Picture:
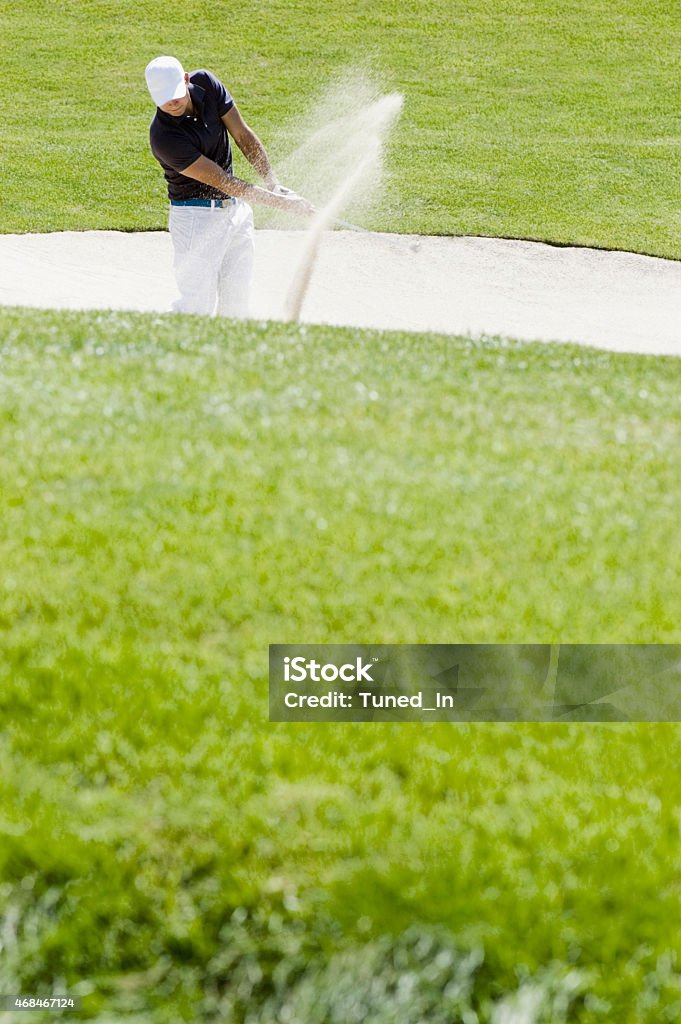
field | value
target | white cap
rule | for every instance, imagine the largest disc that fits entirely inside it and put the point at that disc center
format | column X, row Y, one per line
column 165, row 80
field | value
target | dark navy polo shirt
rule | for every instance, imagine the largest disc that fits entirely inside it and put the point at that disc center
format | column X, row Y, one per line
column 177, row 142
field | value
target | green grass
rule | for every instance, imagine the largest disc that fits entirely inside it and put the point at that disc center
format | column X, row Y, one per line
column 524, row 119
column 176, row 493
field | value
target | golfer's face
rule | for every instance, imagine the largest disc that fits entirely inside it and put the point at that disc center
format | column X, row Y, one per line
column 176, row 108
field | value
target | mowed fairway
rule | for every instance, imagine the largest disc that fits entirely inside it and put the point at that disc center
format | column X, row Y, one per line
column 177, row 493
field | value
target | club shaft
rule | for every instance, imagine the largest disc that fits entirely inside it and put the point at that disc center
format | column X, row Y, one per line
column 352, row 227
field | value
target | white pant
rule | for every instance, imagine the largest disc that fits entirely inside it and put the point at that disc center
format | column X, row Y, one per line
column 213, row 261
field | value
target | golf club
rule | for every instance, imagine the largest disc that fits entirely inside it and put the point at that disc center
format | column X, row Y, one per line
column 414, row 246
column 352, row 227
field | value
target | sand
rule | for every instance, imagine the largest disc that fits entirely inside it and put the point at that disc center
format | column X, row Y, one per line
column 479, row 286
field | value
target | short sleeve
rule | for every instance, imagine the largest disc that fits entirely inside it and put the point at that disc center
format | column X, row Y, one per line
column 222, row 95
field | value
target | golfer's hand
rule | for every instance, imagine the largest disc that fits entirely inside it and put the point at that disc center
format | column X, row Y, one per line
column 281, row 190
column 294, row 202
column 301, row 206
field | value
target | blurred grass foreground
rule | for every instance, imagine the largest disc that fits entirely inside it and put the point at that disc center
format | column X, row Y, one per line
column 176, row 494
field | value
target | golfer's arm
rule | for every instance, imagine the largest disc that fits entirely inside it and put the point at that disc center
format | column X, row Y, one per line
column 210, row 173
column 249, row 144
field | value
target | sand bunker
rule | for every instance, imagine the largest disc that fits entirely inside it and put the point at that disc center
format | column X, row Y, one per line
column 525, row 290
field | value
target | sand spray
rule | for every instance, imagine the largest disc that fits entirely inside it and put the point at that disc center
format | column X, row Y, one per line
column 339, row 163
column 376, row 121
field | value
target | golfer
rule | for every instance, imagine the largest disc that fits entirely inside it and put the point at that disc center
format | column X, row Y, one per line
column 211, row 223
